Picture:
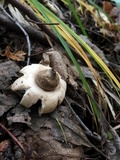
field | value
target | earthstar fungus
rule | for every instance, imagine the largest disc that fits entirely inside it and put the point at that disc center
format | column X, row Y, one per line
column 40, row 83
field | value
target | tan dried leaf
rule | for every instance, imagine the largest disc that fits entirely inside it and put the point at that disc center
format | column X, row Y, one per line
column 18, row 56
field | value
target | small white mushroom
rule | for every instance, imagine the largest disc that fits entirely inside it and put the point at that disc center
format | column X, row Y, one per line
column 40, row 83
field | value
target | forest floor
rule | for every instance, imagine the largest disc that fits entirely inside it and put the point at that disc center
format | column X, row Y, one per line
column 69, row 132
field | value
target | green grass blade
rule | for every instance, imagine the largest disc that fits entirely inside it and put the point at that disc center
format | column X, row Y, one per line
column 44, row 11
column 76, row 17
column 100, row 9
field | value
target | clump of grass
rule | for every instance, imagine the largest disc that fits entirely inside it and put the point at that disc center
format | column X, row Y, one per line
column 67, row 36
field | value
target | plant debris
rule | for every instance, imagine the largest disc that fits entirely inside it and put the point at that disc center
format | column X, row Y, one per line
column 70, row 52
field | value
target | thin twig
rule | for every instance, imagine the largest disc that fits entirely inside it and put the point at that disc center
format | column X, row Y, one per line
column 33, row 32
column 87, row 131
column 14, row 138
column 27, row 11
column 117, row 127
column 41, row 23
column 44, row 28
column 22, row 29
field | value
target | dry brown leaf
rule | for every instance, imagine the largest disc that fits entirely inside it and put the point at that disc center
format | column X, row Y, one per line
column 4, row 145
column 107, row 6
column 62, row 65
column 19, row 114
column 18, row 56
column 8, row 70
column 43, row 146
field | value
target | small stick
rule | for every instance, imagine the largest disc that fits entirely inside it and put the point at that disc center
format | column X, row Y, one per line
column 13, row 137
column 22, row 29
column 86, row 129
column 40, row 23
column 33, row 32
column 44, row 28
column 117, row 127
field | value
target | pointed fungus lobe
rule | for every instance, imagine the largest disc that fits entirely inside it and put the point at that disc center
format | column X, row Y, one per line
column 40, row 83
